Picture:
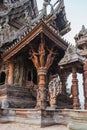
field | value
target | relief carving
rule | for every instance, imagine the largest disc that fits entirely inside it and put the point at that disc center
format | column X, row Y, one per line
column 55, row 88
column 41, row 98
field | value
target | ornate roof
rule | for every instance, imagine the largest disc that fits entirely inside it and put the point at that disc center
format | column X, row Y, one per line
column 72, row 55
column 81, row 38
column 82, row 32
column 20, row 21
column 13, row 18
column 28, row 36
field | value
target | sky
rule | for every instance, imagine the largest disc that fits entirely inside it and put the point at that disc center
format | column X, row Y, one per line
column 76, row 14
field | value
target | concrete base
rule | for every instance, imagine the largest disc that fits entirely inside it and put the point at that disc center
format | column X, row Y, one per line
column 77, row 126
column 42, row 118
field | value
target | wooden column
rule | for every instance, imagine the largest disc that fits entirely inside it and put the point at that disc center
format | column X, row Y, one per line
column 21, row 73
column 63, row 79
column 42, row 60
column 41, row 92
column 75, row 89
column 10, row 74
column 85, row 83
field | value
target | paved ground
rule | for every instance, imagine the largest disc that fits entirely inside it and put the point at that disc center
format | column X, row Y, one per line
column 18, row 126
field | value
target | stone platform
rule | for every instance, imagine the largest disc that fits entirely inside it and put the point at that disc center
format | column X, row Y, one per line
column 42, row 118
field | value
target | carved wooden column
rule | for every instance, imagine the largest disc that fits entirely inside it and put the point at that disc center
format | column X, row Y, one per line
column 41, row 92
column 63, row 80
column 85, row 83
column 10, row 73
column 21, row 72
column 42, row 60
column 75, row 89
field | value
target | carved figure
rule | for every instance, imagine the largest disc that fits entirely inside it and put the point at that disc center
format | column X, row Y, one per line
column 50, row 58
column 46, row 3
column 43, row 13
column 6, row 30
column 28, row 18
column 34, row 58
column 60, row 6
column 42, row 54
column 54, row 90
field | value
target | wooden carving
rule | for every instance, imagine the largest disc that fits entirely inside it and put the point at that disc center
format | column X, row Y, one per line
column 55, row 88
column 42, row 61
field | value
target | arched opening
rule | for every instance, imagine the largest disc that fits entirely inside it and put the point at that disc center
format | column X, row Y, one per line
column 2, row 77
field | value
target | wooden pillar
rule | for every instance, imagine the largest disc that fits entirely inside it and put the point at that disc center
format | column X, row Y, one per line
column 63, row 80
column 10, row 74
column 42, row 62
column 75, row 89
column 21, row 74
column 85, row 83
column 41, row 92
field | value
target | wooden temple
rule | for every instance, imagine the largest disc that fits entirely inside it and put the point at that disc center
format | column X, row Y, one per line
column 35, row 60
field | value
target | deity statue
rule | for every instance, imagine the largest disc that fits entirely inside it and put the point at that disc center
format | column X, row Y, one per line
column 50, row 58
column 43, row 12
column 45, row 4
column 6, row 30
column 34, row 57
column 42, row 54
column 27, row 18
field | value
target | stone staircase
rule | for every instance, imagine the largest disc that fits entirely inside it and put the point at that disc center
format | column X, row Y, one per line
column 16, row 97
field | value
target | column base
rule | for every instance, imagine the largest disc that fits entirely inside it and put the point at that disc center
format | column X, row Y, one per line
column 41, row 98
column 76, row 106
column 41, row 106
